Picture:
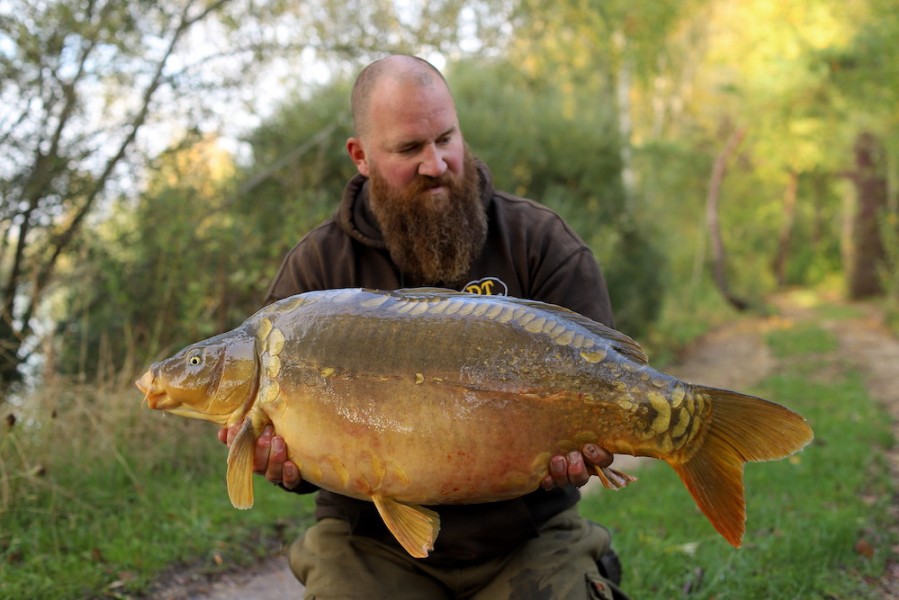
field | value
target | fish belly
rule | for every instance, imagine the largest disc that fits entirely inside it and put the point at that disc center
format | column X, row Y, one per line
column 430, row 442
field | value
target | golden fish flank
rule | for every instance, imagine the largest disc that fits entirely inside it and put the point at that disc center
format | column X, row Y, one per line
column 368, row 388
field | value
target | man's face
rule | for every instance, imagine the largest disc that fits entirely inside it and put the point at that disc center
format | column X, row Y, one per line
column 413, row 132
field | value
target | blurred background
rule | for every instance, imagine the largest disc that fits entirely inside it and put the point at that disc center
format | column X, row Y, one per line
column 157, row 160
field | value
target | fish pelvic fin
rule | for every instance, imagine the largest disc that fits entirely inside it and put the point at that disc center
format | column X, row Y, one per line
column 743, row 428
column 414, row 527
column 613, row 479
column 240, row 460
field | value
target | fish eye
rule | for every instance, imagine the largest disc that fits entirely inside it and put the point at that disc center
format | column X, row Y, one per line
column 194, row 360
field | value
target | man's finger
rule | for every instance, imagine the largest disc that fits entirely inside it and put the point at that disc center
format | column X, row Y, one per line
column 597, row 456
column 277, row 456
column 291, row 475
column 262, row 449
column 577, row 471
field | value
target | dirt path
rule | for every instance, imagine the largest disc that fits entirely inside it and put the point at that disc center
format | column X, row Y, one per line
column 734, row 357
column 869, row 347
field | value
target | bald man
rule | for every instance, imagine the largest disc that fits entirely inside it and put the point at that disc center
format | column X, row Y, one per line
column 423, row 211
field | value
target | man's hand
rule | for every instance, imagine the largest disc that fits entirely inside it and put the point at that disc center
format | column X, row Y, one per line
column 270, row 457
column 576, row 468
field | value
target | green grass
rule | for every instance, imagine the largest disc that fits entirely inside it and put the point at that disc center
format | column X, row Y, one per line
column 95, row 512
column 803, row 341
column 811, row 518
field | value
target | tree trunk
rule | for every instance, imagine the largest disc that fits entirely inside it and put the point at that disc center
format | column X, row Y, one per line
column 865, row 252
column 719, row 265
column 779, row 265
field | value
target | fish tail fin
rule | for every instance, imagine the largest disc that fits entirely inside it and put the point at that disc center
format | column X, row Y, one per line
column 240, row 461
column 743, row 428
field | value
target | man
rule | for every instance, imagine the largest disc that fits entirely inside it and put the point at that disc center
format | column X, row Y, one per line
column 423, row 212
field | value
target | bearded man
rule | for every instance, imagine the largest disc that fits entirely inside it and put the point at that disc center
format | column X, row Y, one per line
column 423, row 211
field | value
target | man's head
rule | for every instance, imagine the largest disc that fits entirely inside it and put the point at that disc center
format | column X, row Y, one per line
column 424, row 184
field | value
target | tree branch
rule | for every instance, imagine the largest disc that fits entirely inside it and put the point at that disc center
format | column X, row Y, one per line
column 65, row 237
column 719, row 265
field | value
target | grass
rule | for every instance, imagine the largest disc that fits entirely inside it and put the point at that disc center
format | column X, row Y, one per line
column 100, row 495
column 817, row 522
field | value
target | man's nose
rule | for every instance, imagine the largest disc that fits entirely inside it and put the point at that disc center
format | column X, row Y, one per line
column 432, row 162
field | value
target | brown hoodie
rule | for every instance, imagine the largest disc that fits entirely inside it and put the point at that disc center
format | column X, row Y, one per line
column 530, row 253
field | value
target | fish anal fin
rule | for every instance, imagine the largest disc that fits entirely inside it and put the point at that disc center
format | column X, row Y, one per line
column 742, row 428
column 415, row 527
column 614, row 479
column 240, row 461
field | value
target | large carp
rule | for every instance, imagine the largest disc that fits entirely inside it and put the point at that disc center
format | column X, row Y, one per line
column 424, row 397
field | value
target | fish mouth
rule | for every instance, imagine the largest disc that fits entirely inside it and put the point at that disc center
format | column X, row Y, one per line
column 153, row 393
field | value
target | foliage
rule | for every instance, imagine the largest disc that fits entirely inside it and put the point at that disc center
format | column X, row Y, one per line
column 195, row 254
column 564, row 152
column 187, row 261
column 611, row 113
column 809, row 525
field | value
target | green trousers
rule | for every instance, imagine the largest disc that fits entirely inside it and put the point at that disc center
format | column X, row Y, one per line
column 559, row 564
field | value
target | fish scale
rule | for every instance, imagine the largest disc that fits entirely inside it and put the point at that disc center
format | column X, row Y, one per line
column 424, row 397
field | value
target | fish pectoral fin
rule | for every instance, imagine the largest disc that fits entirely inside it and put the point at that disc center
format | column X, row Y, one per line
column 415, row 527
column 240, row 466
column 614, row 479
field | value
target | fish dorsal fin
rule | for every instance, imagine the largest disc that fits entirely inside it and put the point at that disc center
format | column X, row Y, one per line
column 415, row 527
column 428, row 291
column 619, row 341
column 240, row 460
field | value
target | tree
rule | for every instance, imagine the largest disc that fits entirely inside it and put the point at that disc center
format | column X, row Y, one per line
column 865, row 91
column 866, row 253
column 81, row 80
column 719, row 256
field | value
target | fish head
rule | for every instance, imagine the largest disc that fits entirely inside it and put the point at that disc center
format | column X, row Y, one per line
column 210, row 380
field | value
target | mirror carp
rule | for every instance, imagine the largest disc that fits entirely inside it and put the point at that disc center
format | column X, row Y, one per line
column 424, row 397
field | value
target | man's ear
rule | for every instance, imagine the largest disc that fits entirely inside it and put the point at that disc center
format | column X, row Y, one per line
column 357, row 155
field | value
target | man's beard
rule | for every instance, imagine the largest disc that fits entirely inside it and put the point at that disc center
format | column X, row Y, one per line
column 433, row 239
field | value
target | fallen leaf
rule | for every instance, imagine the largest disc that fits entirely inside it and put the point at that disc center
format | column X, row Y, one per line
column 864, row 548
column 689, row 548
